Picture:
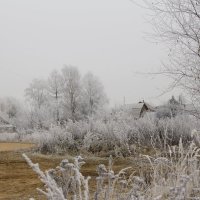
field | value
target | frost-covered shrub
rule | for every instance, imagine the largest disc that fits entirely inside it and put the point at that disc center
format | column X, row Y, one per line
column 77, row 129
column 10, row 137
column 150, row 131
column 119, row 136
column 56, row 140
column 171, row 130
column 100, row 137
column 143, row 131
column 176, row 176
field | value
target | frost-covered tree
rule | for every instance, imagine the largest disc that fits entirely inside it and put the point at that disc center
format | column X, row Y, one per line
column 37, row 96
column 71, row 90
column 36, row 93
column 177, row 23
column 63, row 96
column 15, row 112
column 93, row 94
column 12, row 107
column 55, row 90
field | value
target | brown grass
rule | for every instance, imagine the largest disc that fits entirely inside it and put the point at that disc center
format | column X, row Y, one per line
column 18, row 181
column 13, row 146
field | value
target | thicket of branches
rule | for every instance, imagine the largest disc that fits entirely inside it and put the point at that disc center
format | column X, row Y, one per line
column 177, row 23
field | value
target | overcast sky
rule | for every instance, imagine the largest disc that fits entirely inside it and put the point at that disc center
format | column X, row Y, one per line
column 106, row 37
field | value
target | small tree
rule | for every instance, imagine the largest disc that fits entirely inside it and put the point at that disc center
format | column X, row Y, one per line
column 55, row 90
column 12, row 107
column 93, row 94
column 37, row 96
column 36, row 93
column 71, row 89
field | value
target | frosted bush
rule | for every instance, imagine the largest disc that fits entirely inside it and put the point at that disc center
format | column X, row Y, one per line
column 77, row 129
column 120, row 136
column 9, row 137
column 171, row 130
column 150, row 131
column 100, row 137
column 176, row 177
column 55, row 140
column 144, row 131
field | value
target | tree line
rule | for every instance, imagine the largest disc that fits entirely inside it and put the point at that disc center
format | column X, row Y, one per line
column 65, row 95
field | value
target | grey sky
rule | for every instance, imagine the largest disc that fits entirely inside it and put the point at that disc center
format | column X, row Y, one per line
column 105, row 37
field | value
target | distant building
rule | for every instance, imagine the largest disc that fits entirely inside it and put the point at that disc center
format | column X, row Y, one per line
column 176, row 107
column 5, row 126
column 181, row 107
column 190, row 109
column 138, row 110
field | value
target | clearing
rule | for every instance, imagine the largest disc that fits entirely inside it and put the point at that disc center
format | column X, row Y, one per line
column 18, row 181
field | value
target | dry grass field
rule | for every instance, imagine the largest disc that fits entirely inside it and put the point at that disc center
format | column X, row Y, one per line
column 18, row 181
column 13, row 146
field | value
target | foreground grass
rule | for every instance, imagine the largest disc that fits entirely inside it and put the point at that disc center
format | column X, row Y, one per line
column 18, row 181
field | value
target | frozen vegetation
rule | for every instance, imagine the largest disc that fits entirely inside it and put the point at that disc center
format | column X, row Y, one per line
column 67, row 114
column 174, row 176
column 117, row 137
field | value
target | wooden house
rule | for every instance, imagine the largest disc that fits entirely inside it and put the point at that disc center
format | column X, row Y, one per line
column 138, row 110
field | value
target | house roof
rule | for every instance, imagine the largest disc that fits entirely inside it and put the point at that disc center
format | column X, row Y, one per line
column 150, row 107
column 134, row 106
column 135, row 109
